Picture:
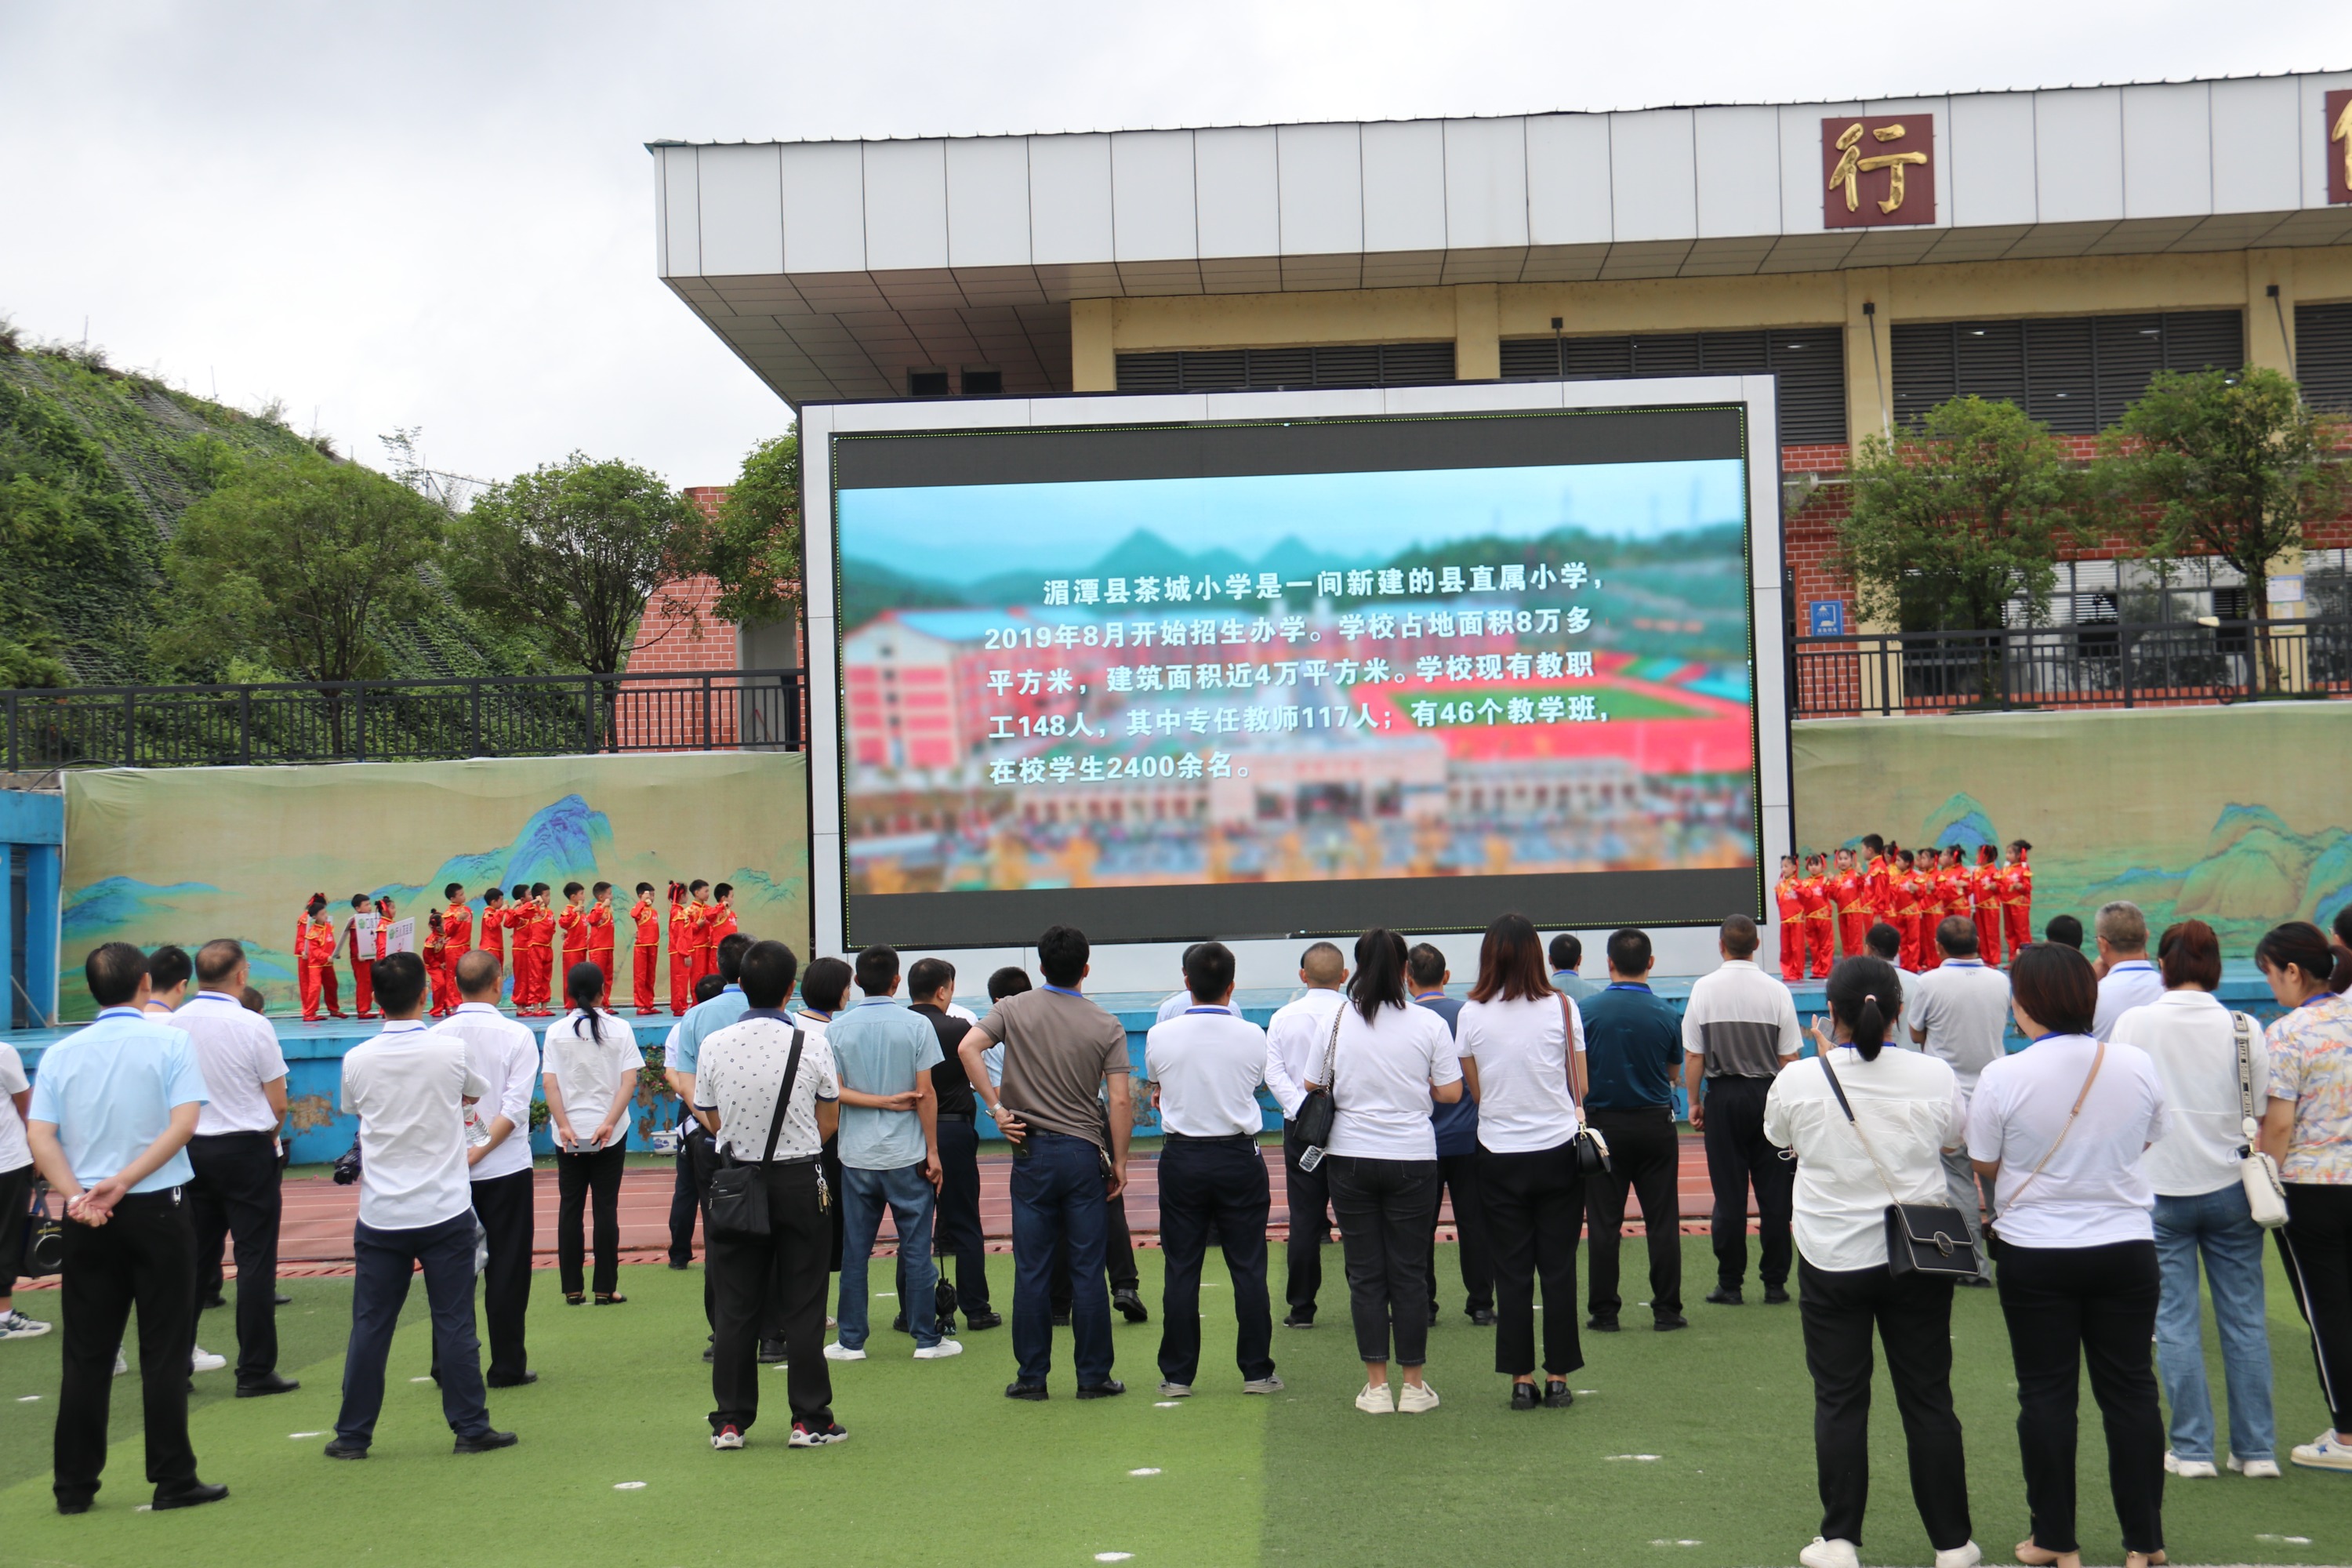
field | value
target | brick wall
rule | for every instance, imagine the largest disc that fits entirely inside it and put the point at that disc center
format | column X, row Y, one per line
column 668, row 641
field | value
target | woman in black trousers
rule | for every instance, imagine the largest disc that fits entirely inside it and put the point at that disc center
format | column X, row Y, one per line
column 590, row 1076
column 2060, row 1127
column 1385, row 1061
column 1520, row 1041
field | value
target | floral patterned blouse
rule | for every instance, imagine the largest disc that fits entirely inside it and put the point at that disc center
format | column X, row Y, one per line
column 2311, row 1064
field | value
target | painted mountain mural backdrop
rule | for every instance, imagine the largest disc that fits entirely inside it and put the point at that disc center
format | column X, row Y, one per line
column 2234, row 816
column 185, row 855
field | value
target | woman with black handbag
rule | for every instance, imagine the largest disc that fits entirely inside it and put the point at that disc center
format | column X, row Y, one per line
column 1385, row 1061
column 1521, row 1042
column 2061, row 1128
column 1868, row 1127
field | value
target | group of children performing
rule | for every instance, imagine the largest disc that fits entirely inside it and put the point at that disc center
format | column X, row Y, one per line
column 1828, row 906
column 699, row 915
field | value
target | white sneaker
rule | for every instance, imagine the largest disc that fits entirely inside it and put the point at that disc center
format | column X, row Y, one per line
column 1964, row 1555
column 1376, row 1400
column 727, row 1437
column 939, row 1351
column 2188, row 1469
column 205, row 1361
column 1175, row 1390
column 121, row 1364
column 2328, row 1451
column 1415, row 1397
column 14, row 1325
column 1269, row 1383
column 1830, row 1554
column 839, row 1352
column 2255, row 1469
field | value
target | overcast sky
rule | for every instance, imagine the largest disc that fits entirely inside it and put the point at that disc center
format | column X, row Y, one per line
column 442, row 215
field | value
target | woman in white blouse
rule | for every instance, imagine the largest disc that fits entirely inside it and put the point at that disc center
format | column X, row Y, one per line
column 1390, row 1062
column 2200, row 1203
column 1518, row 1039
column 2060, row 1127
column 1907, row 1109
column 590, row 1074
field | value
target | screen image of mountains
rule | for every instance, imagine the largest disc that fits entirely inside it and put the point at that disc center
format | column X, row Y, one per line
column 1382, row 677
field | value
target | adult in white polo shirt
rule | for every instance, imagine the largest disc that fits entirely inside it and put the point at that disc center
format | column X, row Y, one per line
column 2126, row 978
column 410, row 1087
column 236, row 1194
column 1739, row 1029
column 1295, row 1036
column 1179, row 1001
column 505, row 1054
column 1959, row 1015
column 1206, row 1065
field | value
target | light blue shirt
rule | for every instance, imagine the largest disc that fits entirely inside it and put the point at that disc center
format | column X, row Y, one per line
column 2134, row 982
column 111, row 1089
column 703, row 1020
column 1574, row 985
column 878, row 1048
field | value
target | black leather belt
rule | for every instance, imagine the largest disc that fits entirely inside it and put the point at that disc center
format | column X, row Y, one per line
column 1242, row 1137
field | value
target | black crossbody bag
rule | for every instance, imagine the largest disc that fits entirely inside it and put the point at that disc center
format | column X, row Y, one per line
column 738, row 1190
column 1921, row 1239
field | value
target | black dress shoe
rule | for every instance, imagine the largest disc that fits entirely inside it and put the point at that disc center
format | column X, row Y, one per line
column 1109, row 1388
column 1522, row 1397
column 519, row 1380
column 1668, row 1322
column 209, row 1303
column 1557, row 1395
column 983, row 1319
column 899, row 1325
column 1601, row 1325
column 680, row 1267
column 1776, row 1294
column 1294, row 1320
column 710, row 1353
column 277, row 1300
column 1130, row 1306
column 342, row 1449
column 1481, row 1316
column 77, row 1505
column 268, row 1384
column 1033, row 1392
column 1725, row 1296
column 483, row 1442
column 1061, row 1319
column 771, row 1352
column 195, row 1494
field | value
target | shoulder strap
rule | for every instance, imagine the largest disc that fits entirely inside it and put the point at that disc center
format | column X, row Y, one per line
column 2096, row 1062
column 1855, row 1122
column 784, row 1098
column 2242, row 1027
column 1567, row 1046
column 1331, row 1046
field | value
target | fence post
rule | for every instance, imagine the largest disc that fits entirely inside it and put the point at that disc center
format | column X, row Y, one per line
column 359, row 723
column 2126, row 641
column 706, row 712
column 130, row 728
column 245, row 725
column 588, row 714
column 473, row 717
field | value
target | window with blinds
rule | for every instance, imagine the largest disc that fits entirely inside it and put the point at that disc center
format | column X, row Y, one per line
column 2323, row 355
column 1808, row 360
column 1334, row 365
column 2076, row 375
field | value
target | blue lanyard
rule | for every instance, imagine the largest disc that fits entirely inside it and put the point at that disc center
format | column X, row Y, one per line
column 1630, row 985
column 2053, row 1034
column 1221, row 1012
column 1063, row 991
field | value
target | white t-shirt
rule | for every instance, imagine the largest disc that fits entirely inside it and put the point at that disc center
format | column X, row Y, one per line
column 2191, row 1039
column 1207, row 1065
column 741, row 1071
column 408, row 1087
column 15, row 1152
column 1911, row 1107
column 238, row 1053
column 1381, row 1081
column 589, row 1074
column 505, row 1053
column 2134, row 982
column 1742, row 1020
column 1525, row 1103
column 1297, row 1034
column 1963, row 1006
column 2093, row 1192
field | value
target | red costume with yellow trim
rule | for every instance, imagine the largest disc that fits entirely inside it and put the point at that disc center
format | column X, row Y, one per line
column 494, row 921
column 1791, row 907
column 1984, row 890
column 644, row 956
column 1911, row 888
column 534, row 956
column 362, row 968
column 1851, row 892
column 458, row 932
column 600, row 943
column 435, row 954
column 1814, row 892
column 572, row 921
column 682, row 920
column 314, row 962
column 719, row 924
column 2017, row 903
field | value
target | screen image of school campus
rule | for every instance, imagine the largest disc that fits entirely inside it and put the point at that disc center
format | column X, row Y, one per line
column 1282, row 677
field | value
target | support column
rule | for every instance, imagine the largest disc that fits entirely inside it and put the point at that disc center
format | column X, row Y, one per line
column 1478, row 333
column 1869, row 372
column 43, row 866
column 1094, row 356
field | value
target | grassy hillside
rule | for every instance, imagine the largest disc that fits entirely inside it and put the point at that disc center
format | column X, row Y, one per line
column 96, row 467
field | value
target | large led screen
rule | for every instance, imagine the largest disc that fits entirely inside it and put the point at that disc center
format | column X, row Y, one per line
column 1270, row 678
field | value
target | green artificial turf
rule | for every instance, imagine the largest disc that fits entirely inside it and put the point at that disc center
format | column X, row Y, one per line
column 942, row 1469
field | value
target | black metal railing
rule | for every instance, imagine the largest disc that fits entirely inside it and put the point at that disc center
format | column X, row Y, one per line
column 403, row 720
column 2082, row 666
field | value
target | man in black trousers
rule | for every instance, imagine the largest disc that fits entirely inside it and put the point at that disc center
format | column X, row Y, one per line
column 1632, row 1044
column 1739, row 1029
column 684, row 1195
column 505, row 1053
column 956, row 1232
column 236, row 1194
column 111, row 1114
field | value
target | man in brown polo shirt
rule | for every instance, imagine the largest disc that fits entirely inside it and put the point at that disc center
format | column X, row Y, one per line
column 1059, row 1050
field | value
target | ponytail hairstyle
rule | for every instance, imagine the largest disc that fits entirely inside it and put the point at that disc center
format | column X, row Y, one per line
column 2298, row 943
column 583, row 987
column 318, row 902
column 1865, row 995
column 1379, row 973
column 677, row 889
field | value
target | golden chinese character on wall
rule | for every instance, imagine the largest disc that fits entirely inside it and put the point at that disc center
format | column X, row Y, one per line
column 2337, row 126
column 1878, row 170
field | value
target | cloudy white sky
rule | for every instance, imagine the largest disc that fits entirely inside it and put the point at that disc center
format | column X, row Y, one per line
column 441, row 215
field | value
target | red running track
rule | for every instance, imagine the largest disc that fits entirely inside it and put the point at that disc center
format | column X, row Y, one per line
column 316, row 1235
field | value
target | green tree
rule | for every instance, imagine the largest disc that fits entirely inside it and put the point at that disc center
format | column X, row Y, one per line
column 752, row 548
column 2226, row 463
column 297, row 568
column 1952, row 521
column 570, row 552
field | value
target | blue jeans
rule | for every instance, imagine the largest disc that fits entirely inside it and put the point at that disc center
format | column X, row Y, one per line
column 381, row 1262
column 1057, row 1196
column 2218, row 1226
column 910, row 1197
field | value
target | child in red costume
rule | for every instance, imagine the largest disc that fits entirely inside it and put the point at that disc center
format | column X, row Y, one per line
column 1791, row 908
column 2017, row 896
column 1814, row 892
column 644, row 956
column 599, row 935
